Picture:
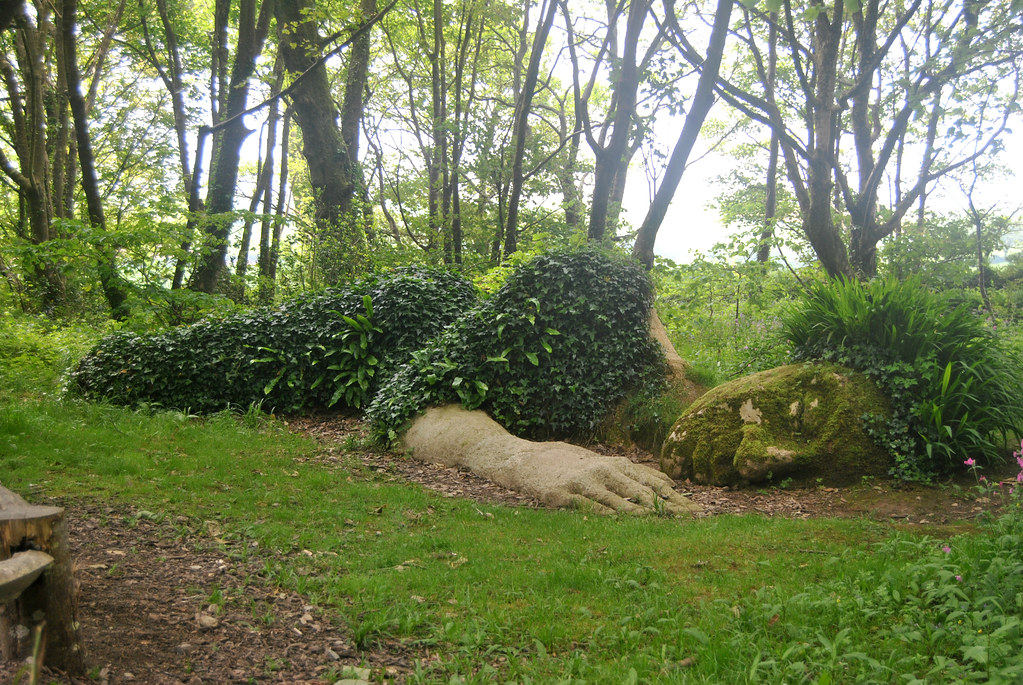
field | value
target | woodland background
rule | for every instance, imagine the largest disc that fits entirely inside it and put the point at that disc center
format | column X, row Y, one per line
column 161, row 158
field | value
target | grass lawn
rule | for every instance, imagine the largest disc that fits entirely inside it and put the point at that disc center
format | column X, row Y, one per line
column 514, row 595
column 519, row 595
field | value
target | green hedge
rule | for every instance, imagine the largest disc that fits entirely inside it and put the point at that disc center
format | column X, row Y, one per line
column 310, row 352
column 548, row 355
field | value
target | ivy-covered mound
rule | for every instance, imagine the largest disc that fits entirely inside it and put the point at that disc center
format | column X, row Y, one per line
column 316, row 351
column 547, row 356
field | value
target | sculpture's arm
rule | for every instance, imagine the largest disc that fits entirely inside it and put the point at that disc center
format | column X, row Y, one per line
column 556, row 473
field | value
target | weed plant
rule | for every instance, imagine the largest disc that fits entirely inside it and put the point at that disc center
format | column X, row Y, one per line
column 953, row 384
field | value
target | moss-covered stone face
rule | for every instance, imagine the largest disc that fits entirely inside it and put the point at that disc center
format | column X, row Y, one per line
column 799, row 421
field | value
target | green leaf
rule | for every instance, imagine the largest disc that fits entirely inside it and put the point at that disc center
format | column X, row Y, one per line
column 976, row 653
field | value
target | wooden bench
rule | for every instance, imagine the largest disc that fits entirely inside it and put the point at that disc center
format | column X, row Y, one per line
column 37, row 587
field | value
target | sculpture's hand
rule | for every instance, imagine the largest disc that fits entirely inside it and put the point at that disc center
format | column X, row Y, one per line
column 556, row 473
column 608, row 484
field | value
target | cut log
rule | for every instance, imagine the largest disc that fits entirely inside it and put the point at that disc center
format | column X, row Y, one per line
column 27, row 534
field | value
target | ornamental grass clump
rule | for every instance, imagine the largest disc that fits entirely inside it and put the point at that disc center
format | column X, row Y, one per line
column 953, row 385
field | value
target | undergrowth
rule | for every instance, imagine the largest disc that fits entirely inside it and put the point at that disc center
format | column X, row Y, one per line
column 953, row 385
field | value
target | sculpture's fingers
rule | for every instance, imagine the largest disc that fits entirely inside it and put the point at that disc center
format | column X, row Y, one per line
column 649, row 484
column 648, row 476
column 679, row 504
column 675, row 501
column 586, row 503
column 566, row 499
column 601, row 492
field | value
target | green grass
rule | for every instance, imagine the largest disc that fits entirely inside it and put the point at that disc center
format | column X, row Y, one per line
column 499, row 594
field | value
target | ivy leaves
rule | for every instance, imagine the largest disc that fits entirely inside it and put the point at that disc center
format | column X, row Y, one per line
column 321, row 350
column 547, row 356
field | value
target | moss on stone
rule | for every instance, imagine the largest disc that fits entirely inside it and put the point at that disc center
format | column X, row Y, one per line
column 799, row 421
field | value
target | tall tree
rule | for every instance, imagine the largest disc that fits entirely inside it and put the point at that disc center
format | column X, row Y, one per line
column 699, row 107
column 114, row 288
column 252, row 30
column 520, row 126
column 35, row 119
column 333, row 166
column 612, row 141
column 857, row 101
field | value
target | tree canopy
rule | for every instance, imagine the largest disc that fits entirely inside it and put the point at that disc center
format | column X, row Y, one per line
column 155, row 153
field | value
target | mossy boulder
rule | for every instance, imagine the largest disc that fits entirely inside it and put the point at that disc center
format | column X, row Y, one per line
column 803, row 421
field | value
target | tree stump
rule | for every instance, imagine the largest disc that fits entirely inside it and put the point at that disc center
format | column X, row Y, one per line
column 37, row 584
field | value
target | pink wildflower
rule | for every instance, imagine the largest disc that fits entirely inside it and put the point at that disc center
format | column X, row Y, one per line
column 1019, row 477
column 970, row 462
column 1019, row 459
column 946, row 549
column 959, row 578
column 982, row 479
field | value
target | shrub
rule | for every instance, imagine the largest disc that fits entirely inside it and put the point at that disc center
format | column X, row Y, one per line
column 548, row 355
column 952, row 384
column 312, row 351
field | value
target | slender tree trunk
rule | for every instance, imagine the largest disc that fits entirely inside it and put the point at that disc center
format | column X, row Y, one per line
column 520, row 126
column 611, row 157
column 282, row 203
column 771, row 190
column 227, row 153
column 170, row 74
column 264, row 181
column 354, row 104
column 978, row 225
column 114, row 289
column 265, row 224
column 643, row 250
column 818, row 222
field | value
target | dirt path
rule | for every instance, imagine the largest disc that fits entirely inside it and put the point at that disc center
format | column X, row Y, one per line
column 149, row 588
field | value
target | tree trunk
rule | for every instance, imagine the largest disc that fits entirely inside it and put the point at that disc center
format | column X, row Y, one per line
column 227, row 151
column 771, row 191
column 818, row 223
column 114, row 288
column 270, row 275
column 611, row 158
column 52, row 600
column 643, row 250
column 520, row 126
column 30, row 140
column 330, row 162
column 171, row 77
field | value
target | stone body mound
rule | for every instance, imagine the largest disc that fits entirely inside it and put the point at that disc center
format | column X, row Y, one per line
column 801, row 421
